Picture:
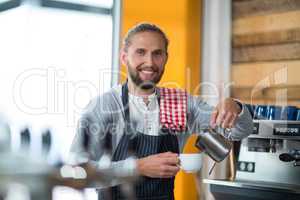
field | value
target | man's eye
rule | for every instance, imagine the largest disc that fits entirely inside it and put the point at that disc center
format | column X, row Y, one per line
column 140, row 51
column 157, row 53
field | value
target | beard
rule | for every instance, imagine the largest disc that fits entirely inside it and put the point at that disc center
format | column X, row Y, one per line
column 144, row 84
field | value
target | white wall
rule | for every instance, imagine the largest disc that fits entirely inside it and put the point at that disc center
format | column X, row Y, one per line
column 216, row 62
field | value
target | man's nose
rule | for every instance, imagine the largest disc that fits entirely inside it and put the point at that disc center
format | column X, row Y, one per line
column 149, row 60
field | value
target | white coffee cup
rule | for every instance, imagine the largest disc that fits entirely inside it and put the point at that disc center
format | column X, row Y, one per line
column 190, row 162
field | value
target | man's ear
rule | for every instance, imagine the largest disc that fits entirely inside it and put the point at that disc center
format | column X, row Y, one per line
column 123, row 56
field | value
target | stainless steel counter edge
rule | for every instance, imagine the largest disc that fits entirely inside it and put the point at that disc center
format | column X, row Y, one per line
column 255, row 185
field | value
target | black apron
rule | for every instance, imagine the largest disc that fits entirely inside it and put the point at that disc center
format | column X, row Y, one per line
column 142, row 145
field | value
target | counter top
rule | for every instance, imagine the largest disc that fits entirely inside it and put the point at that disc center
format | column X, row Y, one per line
column 258, row 185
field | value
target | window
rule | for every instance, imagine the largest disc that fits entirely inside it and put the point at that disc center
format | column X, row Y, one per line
column 53, row 61
column 96, row 3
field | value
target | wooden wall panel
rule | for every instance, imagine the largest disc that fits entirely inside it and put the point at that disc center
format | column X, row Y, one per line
column 267, row 23
column 271, row 102
column 263, row 7
column 266, row 51
column 275, row 52
column 267, row 38
column 272, row 73
column 289, row 93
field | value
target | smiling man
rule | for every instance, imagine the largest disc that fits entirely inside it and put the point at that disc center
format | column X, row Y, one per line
column 149, row 125
column 145, row 55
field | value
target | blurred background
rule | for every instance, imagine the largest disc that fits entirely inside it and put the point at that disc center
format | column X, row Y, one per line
column 58, row 54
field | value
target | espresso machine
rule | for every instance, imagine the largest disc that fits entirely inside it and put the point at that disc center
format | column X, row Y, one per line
column 271, row 153
column 267, row 164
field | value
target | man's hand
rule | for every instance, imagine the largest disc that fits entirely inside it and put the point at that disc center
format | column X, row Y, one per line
column 225, row 114
column 163, row 165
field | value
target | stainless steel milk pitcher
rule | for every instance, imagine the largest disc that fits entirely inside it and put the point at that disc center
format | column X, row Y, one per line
column 214, row 144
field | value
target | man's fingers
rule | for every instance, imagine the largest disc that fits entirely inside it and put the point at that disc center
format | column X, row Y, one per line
column 227, row 120
column 226, row 109
column 233, row 120
column 168, row 155
column 171, row 161
column 213, row 118
column 220, row 118
column 172, row 169
column 169, row 171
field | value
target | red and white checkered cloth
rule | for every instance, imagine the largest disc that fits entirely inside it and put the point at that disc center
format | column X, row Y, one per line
column 173, row 109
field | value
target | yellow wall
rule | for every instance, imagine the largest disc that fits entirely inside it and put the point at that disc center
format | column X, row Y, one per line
column 180, row 19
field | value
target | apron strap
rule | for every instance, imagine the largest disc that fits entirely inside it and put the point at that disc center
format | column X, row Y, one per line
column 128, row 130
column 125, row 102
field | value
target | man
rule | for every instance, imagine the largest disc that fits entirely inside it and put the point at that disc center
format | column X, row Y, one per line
column 142, row 119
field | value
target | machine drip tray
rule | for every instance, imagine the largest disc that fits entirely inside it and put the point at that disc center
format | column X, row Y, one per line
column 250, row 190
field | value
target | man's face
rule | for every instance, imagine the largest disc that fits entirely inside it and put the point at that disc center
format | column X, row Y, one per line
column 145, row 59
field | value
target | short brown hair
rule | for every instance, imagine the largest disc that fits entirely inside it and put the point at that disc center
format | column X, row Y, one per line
column 143, row 27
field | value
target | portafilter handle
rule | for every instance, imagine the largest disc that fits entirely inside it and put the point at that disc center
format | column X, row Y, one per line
column 286, row 157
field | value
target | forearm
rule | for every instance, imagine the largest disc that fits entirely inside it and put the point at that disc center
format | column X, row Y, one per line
column 200, row 115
